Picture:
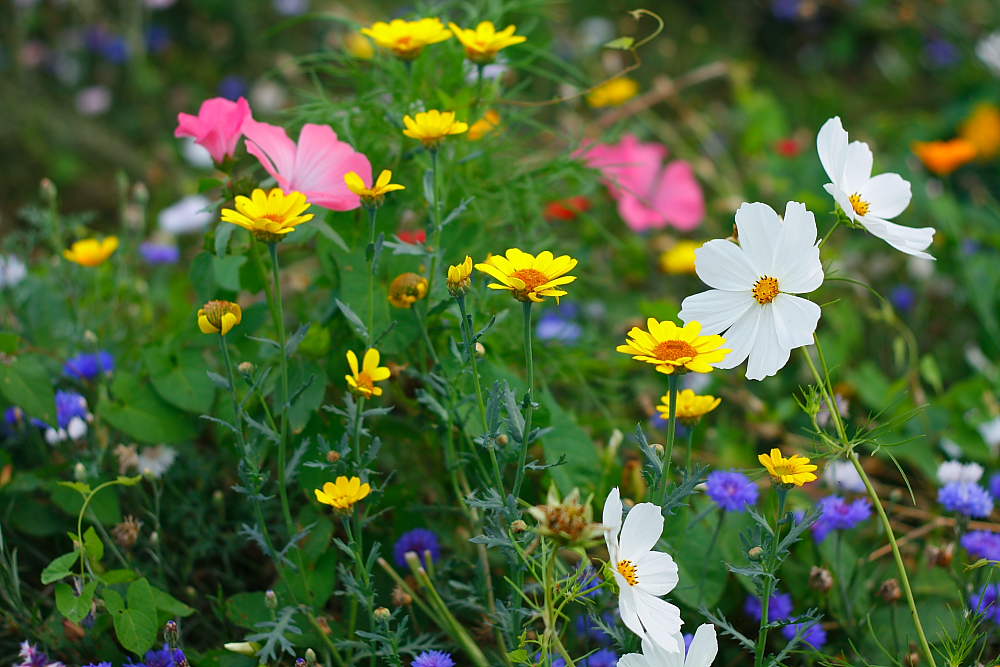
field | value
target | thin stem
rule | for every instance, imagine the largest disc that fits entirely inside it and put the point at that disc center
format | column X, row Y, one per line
column 232, row 391
column 836, row 223
column 422, row 325
column 471, row 354
column 690, row 446
column 770, row 566
column 548, row 614
column 668, row 454
column 370, row 251
column 528, row 405
column 278, row 314
column 435, row 222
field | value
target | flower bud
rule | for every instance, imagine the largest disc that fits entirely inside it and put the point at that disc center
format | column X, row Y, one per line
column 47, row 189
column 310, row 657
column 820, row 579
column 332, row 456
column 518, row 526
column 126, row 533
column 401, row 598
column 270, row 599
column 170, row 633
column 243, row 648
column 940, row 556
column 502, row 439
column 80, row 472
column 219, row 317
column 755, row 554
column 89, row 337
column 406, row 289
column 658, row 448
column 890, row 591
column 912, row 659
column 382, row 614
column 301, row 662
column 480, row 349
column 245, row 368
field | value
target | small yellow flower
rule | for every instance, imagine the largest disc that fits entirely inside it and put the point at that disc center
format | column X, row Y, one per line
column 982, row 129
column 529, row 277
column 343, row 493
column 363, row 381
column 407, row 289
column 407, row 39
column 612, row 93
column 91, row 252
column 944, row 157
column 371, row 196
column 431, row 127
column 794, row 470
column 219, row 317
column 359, row 46
column 675, row 349
column 460, row 277
column 489, row 122
column 269, row 215
column 680, row 258
column 690, row 406
column 483, row 43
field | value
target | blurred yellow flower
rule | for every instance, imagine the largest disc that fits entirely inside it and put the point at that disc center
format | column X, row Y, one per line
column 483, row 43
column 362, row 381
column 91, row 252
column 343, row 493
column 794, row 470
column 489, row 122
column 431, row 127
column 407, row 289
column 371, row 196
column 982, row 129
column 359, row 46
column 271, row 215
column 612, row 93
column 459, row 276
column 675, row 349
column 530, row 278
column 407, row 39
column 219, row 317
column 690, row 406
column 680, row 258
column 944, row 157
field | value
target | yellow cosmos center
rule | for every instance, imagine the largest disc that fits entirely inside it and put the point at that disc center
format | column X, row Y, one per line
column 627, row 569
column 859, row 205
column 532, row 278
column 765, row 290
column 672, row 350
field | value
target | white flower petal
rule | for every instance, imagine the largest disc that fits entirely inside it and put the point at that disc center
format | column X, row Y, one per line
column 612, row 521
column 831, row 144
column 758, row 226
column 634, row 660
column 657, row 657
column 911, row 240
column 740, row 337
column 797, row 264
column 842, row 199
column 724, row 265
column 888, row 194
column 716, row 310
column 643, row 527
column 704, row 647
column 795, row 320
column 857, row 167
column 627, row 606
column 661, row 620
column 768, row 356
column 657, row 573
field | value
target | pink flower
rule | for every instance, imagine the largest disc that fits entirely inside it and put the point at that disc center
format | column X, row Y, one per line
column 216, row 127
column 315, row 167
column 650, row 195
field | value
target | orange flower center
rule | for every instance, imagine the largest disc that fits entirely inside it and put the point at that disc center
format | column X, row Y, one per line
column 365, row 381
column 859, row 205
column 672, row 350
column 765, row 290
column 627, row 569
column 532, row 278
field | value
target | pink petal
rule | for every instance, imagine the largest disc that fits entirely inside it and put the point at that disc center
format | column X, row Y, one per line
column 637, row 215
column 216, row 127
column 679, row 197
column 320, row 164
column 271, row 145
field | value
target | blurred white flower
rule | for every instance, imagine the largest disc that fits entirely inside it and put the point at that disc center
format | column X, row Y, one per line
column 12, row 270
column 956, row 471
column 93, row 100
column 155, row 461
column 76, row 428
column 988, row 50
column 491, row 72
column 196, row 154
column 990, row 431
column 842, row 476
column 190, row 214
column 951, row 448
column 267, row 96
column 54, row 435
column 595, row 31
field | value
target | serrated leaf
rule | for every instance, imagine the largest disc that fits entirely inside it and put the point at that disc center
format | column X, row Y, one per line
column 60, row 567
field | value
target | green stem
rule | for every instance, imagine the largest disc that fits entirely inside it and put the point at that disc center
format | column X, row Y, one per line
column 470, row 352
column 770, row 566
column 278, row 314
column 436, row 222
column 232, row 391
column 836, row 223
column 668, row 454
column 370, row 251
column 422, row 325
column 528, row 399
column 690, row 447
column 548, row 613
column 79, row 523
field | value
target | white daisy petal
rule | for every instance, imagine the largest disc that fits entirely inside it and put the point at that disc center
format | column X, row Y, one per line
column 724, row 265
column 657, row 573
column 888, row 195
column 842, row 199
column 800, row 269
column 627, row 607
column 758, row 226
column 740, row 337
column 661, row 620
column 767, row 356
column 831, row 144
column 704, row 647
column 612, row 521
column 642, row 529
column 657, row 657
column 857, row 167
column 911, row 240
column 716, row 310
column 634, row 660
column 795, row 320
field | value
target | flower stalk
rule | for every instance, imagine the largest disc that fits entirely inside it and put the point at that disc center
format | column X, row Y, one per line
column 278, row 315
column 668, row 453
column 528, row 405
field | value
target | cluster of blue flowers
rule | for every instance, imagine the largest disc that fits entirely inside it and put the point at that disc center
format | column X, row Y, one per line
column 967, row 498
column 780, row 608
column 433, row 659
column 89, row 366
column 839, row 514
column 32, row 656
column 982, row 544
column 560, row 324
column 159, row 253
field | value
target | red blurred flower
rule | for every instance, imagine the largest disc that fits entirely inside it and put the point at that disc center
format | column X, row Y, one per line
column 566, row 209
column 789, row 147
column 412, row 235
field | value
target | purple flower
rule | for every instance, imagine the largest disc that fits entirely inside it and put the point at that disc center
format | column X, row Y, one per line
column 165, row 657
column 995, row 486
column 986, row 602
column 233, row 87
column 14, row 415
column 941, row 53
column 903, row 297
column 69, row 404
column 814, row 634
column 159, row 253
column 966, row 498
column 603, row 658
column 982, row 544
column 554, row 661
column 157, row 38
column 89, row 366
column 838, row 514
column 779, row 609
column 558, row 324
column 786, row 10
column 732, row 491
column 688, row 638
column 418, row 540
column 31, row 656
column 99, row 664
column 433, row 659
column 587, row 628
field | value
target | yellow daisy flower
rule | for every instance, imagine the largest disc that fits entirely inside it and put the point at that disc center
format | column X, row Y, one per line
column 359, row 46
column 343, row 493
column 529, row 277
column 363, row 381
column 460, row 276
column 407, row 289
column 672, row 348
column 374, row 195
column 431, row 127
column 613, row 93
column 219, row 317
column 690, row 406
column 91, row 252
column 407, row 39
column 489, row 122
column 269, row 215
column 483, row 43
column 982, row 130
column 794, row 470
column 680, row 258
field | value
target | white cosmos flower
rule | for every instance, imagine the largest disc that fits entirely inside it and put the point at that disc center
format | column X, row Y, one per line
column 956, row 471
column 155, row 461
column 868, row 200
column 704, row 648
column 753, row 303
column 641, row 573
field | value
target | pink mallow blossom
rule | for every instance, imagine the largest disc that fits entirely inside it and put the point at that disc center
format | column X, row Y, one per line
column 315, row 166
column 217, row 127
column 650, row 194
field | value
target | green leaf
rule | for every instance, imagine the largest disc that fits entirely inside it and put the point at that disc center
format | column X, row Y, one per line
column 567, row 439
column 26, row 384
column 179, row 378
column 81, row 487
column 222, row 235
column 74, row 607
column 135, row 626
column 621, row 43
column 140, row 413
column 168, row 603
column 92, row 545
column 227, row 270
column 60, row 567
column 124, row 480
column 120, row 576
column 9, row 342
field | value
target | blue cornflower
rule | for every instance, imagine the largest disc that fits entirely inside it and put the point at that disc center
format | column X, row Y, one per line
column 986, row 602
column 104, row 663
column 559, row 324
column 587, row 628
column 159, row 253
column 966, row 498
column 995, row 486
column 89, row 366
column 603, row 658
column 165, row 657
column 70, row 404
column 418, row 540
column 433, row 659
column 982, row 544
column 779, row 609
column 903, row 297
column 814, row 635
column 14, row 415
column 838, row 514
column 732, row 491
column 233, row 87
column 941, row 52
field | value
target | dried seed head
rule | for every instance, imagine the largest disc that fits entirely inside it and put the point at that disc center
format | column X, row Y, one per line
column 126, row 533
column 890, row 591
column 401, row 598
column 820, row 579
